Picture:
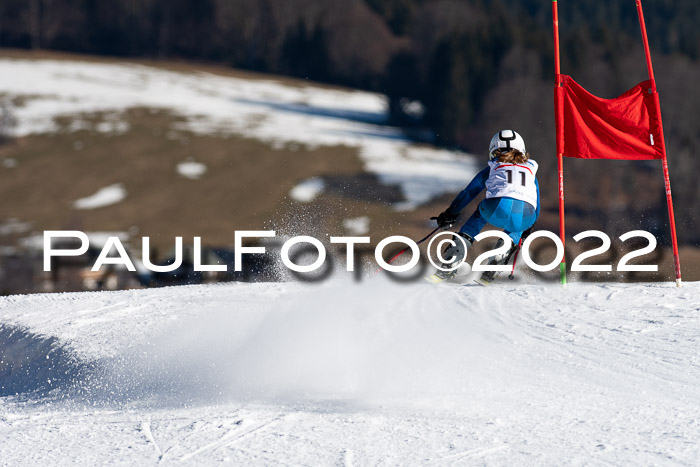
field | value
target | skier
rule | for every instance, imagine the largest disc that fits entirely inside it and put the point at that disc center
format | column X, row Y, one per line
column 512, row 202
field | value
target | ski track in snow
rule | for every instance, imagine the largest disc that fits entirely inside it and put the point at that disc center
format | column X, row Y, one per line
column 348, row 374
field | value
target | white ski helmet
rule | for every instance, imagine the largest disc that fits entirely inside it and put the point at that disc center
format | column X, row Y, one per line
column 508, row 139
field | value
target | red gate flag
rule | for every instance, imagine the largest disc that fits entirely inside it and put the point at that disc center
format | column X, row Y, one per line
column 627, row 127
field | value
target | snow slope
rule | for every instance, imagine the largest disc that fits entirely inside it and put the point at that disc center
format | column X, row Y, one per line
column 271, row 111
column 354, row 374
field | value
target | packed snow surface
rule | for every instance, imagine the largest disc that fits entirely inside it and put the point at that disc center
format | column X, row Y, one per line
column 353, row 374
column 281, row 114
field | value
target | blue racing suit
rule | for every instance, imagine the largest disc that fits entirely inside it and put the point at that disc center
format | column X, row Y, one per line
column 514, row 216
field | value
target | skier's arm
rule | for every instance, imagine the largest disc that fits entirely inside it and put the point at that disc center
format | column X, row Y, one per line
column 537, row 211
column 477, row 184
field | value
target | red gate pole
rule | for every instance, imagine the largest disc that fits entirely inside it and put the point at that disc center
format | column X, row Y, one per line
column 558, row 108
column 667, row 180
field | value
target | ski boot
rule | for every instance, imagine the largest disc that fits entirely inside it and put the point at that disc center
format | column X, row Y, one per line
column 455, row 254
column 489, row 276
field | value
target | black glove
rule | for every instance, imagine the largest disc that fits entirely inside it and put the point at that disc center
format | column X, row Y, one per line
column 445, row 219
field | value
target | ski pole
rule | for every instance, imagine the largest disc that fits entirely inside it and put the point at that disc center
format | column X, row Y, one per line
column 407, row 248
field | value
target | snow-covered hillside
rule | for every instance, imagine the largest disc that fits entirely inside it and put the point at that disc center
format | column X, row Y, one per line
column 354, row 374
column 281, row 114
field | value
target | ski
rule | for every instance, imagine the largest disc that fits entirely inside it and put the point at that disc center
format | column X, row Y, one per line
column 435, row 279
column 482, row 282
